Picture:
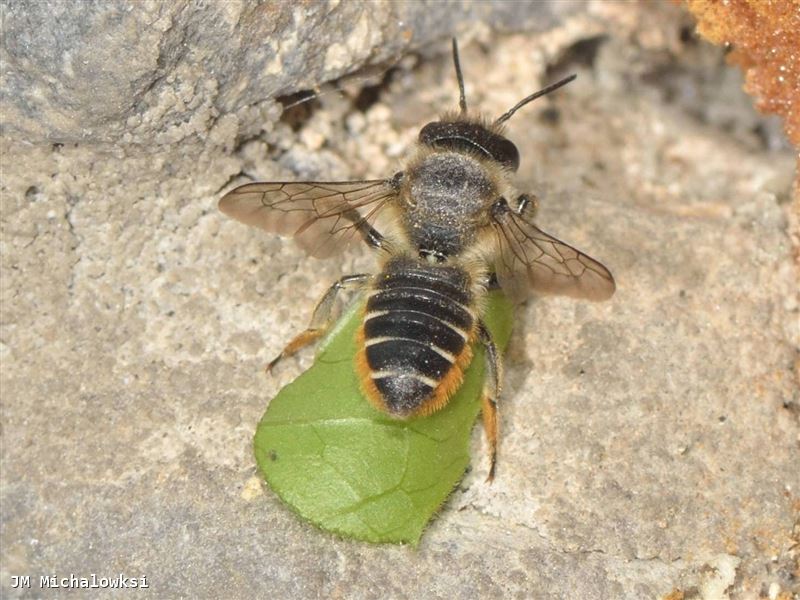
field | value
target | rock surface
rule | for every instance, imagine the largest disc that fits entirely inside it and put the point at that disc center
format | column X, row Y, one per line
column 162, row 72
column 649, row 444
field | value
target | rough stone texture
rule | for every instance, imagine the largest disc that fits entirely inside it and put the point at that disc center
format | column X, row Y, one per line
column 162, row 72
column 650, row 444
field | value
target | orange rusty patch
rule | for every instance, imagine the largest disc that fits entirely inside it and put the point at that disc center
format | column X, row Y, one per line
column 449, row 384
column 364, row 372
column 765, row 37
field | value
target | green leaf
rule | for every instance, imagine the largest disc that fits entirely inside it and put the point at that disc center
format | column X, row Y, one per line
column 347, row 467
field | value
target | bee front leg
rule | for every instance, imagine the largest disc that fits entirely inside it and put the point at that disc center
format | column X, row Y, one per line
column 490, row 394
column 321, row 319
column 526, row 204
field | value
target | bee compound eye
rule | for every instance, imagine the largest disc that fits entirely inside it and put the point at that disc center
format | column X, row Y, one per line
column 506, row 153
column 431, row 133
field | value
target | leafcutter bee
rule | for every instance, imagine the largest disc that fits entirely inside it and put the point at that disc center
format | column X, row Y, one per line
column 461, row 229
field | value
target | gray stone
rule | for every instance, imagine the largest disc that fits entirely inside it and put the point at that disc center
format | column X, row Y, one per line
column 649, row 443
column 162, row 72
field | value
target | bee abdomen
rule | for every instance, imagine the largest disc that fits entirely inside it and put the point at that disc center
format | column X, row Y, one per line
column 416, row 332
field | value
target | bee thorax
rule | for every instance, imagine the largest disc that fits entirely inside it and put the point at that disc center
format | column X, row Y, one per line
column 449, row 191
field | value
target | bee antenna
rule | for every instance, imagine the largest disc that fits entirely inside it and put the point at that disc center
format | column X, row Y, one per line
column 462, row 99
column 534, row 96
column 312, row 95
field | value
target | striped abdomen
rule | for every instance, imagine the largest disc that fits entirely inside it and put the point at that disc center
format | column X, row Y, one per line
column 414, row 342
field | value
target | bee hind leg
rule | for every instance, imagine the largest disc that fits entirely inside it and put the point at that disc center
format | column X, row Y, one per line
column 490, row 394
column 321, row 319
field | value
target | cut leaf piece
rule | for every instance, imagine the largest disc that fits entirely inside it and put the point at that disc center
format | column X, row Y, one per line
column 348, row 468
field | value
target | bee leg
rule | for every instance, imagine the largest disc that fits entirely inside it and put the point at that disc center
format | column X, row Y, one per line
column 491, row 392
column 368, row 233
column 527, row 204
column 321, row 319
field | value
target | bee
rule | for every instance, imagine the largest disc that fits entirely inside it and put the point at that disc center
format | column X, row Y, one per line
column 460, row 230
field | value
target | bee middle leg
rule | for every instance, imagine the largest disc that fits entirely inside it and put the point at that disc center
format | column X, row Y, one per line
column 492, row 283
column 490, row 394
column 368, row 233
column 321, row 319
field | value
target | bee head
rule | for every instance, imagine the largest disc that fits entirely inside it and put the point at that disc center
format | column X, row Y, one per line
column 469, row 136
column 464, row 134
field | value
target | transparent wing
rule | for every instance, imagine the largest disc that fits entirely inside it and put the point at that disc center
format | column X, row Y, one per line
column 531, row 260
column 324, row 217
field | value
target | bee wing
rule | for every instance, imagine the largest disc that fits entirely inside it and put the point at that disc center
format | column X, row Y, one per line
column 324, row 217
column 531, row 260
